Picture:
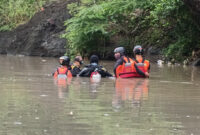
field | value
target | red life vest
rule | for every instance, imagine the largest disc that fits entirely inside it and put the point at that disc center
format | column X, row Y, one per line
column 62, row 72
column 143, row 65
column 127, row 69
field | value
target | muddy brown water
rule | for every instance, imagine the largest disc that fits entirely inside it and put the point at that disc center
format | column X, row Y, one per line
column 33, row 103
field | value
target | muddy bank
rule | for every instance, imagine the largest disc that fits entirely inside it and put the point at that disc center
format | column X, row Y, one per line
column 41, row 35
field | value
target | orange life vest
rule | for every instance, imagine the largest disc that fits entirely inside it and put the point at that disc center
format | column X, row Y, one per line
column 127, row 69
column 62, row 72
column 143, row 65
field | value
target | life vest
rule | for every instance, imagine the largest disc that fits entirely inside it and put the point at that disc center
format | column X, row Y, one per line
column 143, row 65
column 95, row 77
column 62, row 72
column 95, row 74
column 127, row 69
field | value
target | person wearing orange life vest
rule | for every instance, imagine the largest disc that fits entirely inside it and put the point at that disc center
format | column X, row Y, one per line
column 140, row 62
column 124, row 66
column 64, row 70
column 119, row 66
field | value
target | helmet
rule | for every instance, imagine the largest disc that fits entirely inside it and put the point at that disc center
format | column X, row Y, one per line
column 138, row 50
column 94, row 59
column 65, row 61
column 120, row 50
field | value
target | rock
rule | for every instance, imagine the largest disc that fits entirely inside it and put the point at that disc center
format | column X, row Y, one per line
column 173, row 61
column 160, row 62
column 41, row 35
column 196, row 63
column 186, row 62
column 154, row 51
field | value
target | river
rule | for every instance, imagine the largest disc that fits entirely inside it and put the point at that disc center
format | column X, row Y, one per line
column 33, row 103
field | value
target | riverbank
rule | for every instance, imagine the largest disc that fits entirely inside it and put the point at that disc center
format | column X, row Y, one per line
column 41, row 35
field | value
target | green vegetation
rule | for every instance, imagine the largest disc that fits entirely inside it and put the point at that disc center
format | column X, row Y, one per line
column 99, row 25
column 166, row 24
column 16, row 12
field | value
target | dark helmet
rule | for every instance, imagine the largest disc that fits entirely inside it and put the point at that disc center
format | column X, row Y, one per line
column 94, row 59
column 138, row 50
column 120, row 50
column 66, row 60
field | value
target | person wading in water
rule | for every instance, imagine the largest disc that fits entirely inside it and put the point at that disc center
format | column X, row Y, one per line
column 63, row 71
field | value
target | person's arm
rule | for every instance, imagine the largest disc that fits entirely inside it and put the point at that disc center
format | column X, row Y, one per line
column 75, row 71
column 149, row 68
column 83, row 71
column 55, row 73
column 104, row 72
column 145, row 74
column 118, row 62
column 108, row 74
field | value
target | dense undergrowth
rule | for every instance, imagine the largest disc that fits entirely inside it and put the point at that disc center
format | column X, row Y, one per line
column 16, row 12
column 167, row 24
column 100, row 25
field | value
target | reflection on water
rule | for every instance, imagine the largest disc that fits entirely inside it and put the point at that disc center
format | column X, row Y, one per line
column 132, row 90
column 33, row 103
column 62, row 84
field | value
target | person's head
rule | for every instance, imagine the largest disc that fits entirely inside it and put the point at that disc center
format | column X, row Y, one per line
column 119, row 51
column 138, row 50
column 78, row 61
column 64, row 60
column 94, row 59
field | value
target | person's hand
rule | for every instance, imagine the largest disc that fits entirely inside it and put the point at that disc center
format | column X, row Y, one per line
column 146, row 74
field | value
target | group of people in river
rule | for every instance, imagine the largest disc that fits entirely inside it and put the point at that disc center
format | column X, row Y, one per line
column 125, row 67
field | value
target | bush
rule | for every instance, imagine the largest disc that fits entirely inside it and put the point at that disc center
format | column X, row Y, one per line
column 16, row 12
column 90, row 28
column 164, row 23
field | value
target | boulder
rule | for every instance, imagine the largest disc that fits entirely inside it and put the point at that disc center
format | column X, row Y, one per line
column 197, row 62
column 41, row 35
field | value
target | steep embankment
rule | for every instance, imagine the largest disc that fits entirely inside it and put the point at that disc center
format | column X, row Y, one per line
column 194, row 6
column 41, row 35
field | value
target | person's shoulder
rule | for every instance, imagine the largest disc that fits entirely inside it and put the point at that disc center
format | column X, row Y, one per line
column 120, row 60
column 74, row 67
column 89, row 65
column 102, row 68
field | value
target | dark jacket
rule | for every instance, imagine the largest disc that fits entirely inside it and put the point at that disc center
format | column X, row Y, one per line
column 75, row 71
column 118, row 62
column 87, row 70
